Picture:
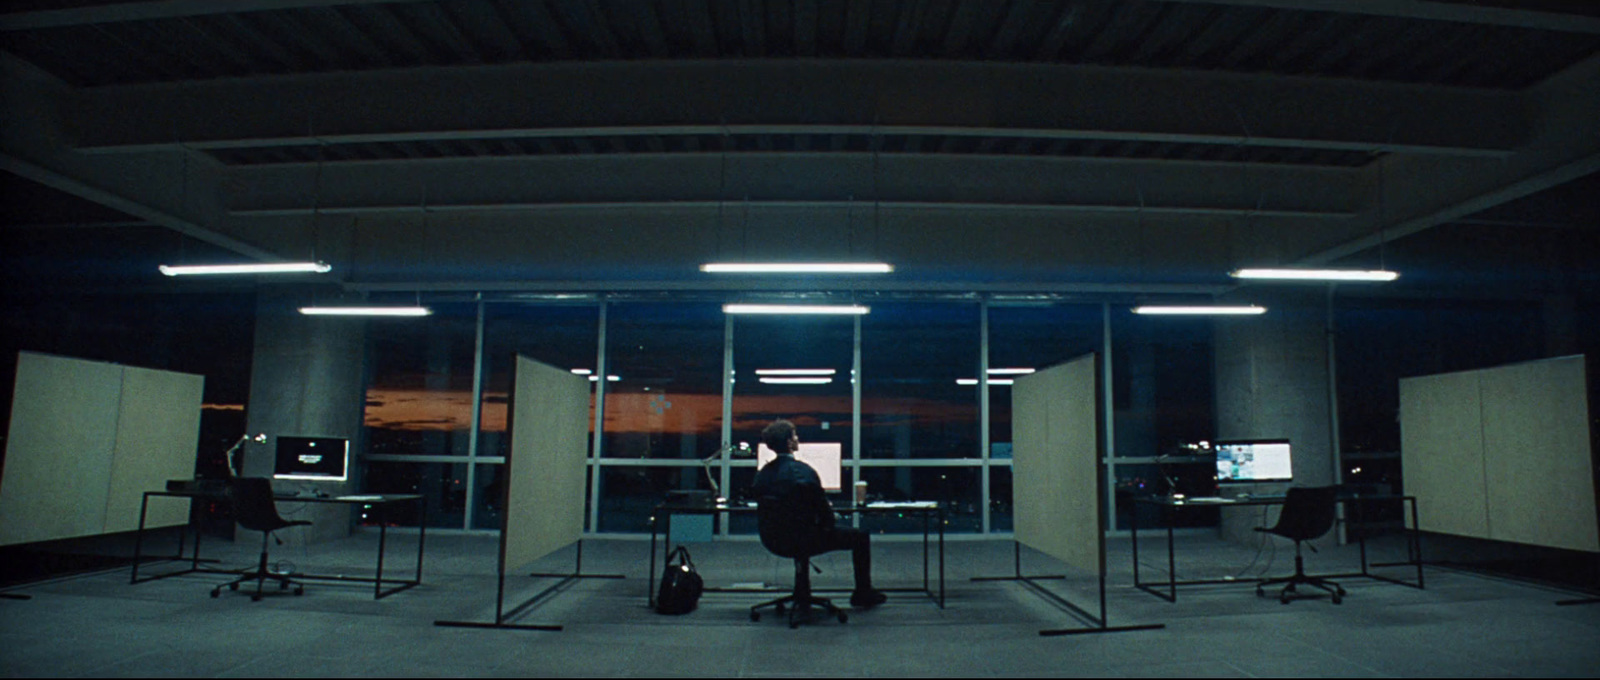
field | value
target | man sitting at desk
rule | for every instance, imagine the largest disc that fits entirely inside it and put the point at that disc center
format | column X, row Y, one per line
column 784, row 474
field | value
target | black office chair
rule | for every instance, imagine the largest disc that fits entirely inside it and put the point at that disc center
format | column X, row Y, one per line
column 786, row 532
column 253, row 509
column 1308, row 513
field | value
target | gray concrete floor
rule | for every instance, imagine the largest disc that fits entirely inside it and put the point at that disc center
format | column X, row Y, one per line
column 1462, row 625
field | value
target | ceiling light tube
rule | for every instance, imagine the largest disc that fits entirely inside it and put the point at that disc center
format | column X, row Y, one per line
column 247, row 268
column 1011, row 371
column 797, row 268
column 796, row 381
column 796, row 371
column 1316, row 274
column 992, row 381
column 794, row 309
column 365, row 311
column 1199, row 309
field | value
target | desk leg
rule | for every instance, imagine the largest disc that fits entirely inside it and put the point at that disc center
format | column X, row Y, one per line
column 1414, row 546
column 1172, row 565
column 941, row 556
column 422, row 536
column 138, row 540
column 650, row 592
column 926, row 588
column 383, row 540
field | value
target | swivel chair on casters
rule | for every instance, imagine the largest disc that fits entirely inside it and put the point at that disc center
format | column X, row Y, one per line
column 253, row 508
column 1308, row 513
column 784, row 535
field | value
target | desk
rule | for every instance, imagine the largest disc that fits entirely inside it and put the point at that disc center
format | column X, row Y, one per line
column 1169, row 505
column 380, row 502
column 931, row 512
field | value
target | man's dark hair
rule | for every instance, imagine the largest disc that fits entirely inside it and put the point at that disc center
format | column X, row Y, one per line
column 777, row 435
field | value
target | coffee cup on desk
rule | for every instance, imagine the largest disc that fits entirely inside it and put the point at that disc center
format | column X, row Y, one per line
column 861, row 493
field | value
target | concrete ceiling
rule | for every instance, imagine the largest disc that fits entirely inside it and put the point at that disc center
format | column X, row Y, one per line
column 1069, row 146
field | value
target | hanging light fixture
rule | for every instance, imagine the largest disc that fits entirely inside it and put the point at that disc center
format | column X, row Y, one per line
column 355, row 310
column 794, row 309
column 797, row 268
column 1293, row 274
column 247, row 268
column 1200, row 310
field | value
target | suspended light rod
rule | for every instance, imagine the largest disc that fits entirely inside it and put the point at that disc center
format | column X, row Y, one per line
column 1199, row 309
column 797, row 268
column 249, row 268
column 1316, row 274
column 794, row 309
column 365, row 311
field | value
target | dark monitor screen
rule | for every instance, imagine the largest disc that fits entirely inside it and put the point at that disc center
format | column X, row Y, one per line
column 315, row 458
column 1257, row 460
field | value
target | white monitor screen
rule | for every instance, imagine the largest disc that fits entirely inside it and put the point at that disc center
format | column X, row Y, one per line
column 317, row 458
column 824, row 457
column 1253, row 461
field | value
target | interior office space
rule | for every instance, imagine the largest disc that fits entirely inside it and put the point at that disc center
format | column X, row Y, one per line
column 548, row 178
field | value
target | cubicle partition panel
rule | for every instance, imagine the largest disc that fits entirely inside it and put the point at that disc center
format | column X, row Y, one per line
column 548, row 423
column 1058, row 479
column 1503, row 453
column 87, row 439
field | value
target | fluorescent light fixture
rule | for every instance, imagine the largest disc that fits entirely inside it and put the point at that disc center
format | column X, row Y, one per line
column 796, row 371
column 609, row 378
column 796, row 381
column 794, row 309
column 992, row 381
column 582, row 371
column 365, row 311
column 249, row 268
column 1200, row 309
column 1011, row 371
column 797, row 268
column 1317, row 274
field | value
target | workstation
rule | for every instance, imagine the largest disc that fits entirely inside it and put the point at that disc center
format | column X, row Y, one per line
column 595, row 193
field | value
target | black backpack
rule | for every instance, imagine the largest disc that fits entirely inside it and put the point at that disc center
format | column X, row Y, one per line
column 680, row 585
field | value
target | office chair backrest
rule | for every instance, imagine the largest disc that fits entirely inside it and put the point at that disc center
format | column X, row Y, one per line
column 253, row 506
column 1308, row 512
column 787, row 524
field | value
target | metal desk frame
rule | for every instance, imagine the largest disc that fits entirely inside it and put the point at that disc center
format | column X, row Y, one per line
column 1168, row 505
column 377, row 580
column 663, row 515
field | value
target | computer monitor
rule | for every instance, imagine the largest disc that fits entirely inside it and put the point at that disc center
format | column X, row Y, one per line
column 1254, row 460
column 323, row 459
column 824, row 457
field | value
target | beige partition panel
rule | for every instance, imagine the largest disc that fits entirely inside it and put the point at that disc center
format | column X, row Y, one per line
column 58, row 453
column 87, row 440
column 1537, row 455
column 1055, row 462
column 158, row 433
column 1503, row 453
column 1441, row 452
column 549, row 422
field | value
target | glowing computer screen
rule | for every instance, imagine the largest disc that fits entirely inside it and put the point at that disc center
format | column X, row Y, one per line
column 1260, row 460
column 315, row 458
column 824, row 457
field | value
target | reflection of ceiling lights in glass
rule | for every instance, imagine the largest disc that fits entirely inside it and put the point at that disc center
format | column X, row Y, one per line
column 992, row 381
column 797, row 381
column 609, row 378
column 1199, row 309
column 365, row 311
column 796, row 268
column 794, row 309
column 250, row 268
column 582, row 371
column 1011, row 371
column 1316, row 274
column 796, row 371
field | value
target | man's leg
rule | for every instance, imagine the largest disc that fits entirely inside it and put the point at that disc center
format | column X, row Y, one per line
column 860, row 546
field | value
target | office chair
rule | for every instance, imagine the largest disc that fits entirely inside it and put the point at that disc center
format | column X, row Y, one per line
column 1308, row 513
column 786, row 530
column 254, row 509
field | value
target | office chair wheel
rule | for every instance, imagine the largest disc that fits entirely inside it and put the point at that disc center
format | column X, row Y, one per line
column 1337, row 598
column 755, row 616
column 778, row 608
column 283, row 585
column 255, row 597
column 216, row 592
column 843, row 618
column 299, row 590
column 233, row 586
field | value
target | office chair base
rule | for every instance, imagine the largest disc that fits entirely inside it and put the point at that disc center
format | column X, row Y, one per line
column 261, row 575
column 1290, row 593
column 799, row 608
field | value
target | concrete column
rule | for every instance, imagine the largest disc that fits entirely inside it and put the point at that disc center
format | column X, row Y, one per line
column 306, row 379
column 1272, row 383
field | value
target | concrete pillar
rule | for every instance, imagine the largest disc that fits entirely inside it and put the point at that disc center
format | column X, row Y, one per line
column 1272, row 383
column 306, row 379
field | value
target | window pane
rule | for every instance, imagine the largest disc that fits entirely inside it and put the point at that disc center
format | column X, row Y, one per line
column 821, row 412
column 958, row 488
column 419, row 399
column 666, row 400
column 1001, row 515
column 1022, row 338
column 443, row 485
column 912, row 355
column 628, row 494
column 1162, row 388
column 563, row 336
